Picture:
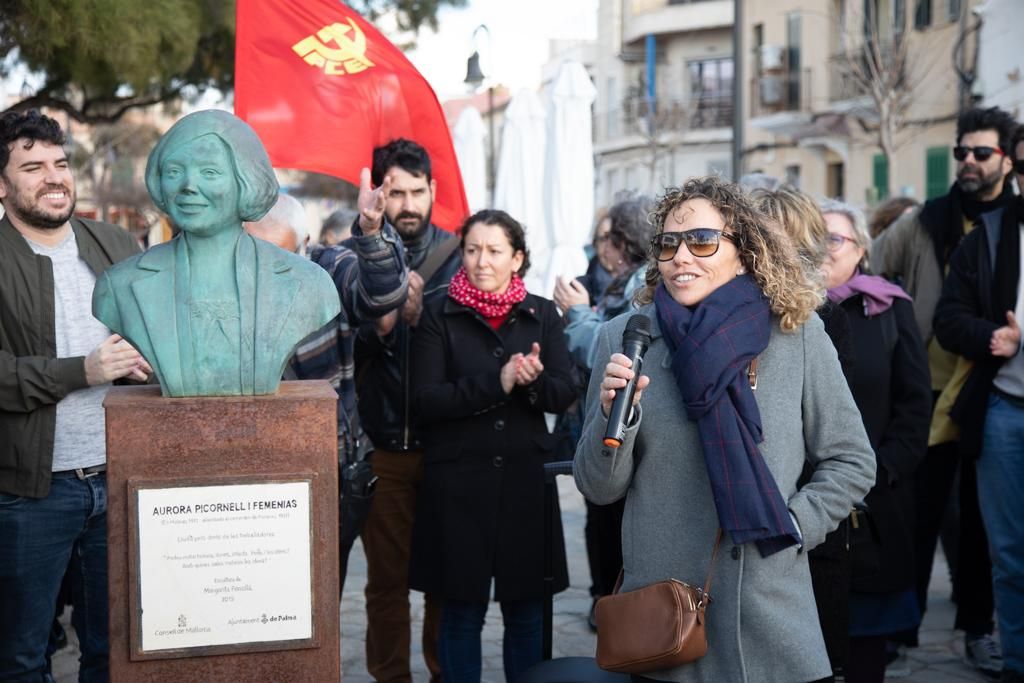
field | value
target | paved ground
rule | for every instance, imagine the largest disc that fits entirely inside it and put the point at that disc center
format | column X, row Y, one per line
column 938, row 660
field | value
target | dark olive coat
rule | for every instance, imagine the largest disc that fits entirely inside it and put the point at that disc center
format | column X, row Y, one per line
column 480, row 508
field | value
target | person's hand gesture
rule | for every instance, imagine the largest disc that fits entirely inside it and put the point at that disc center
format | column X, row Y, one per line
column 617, row 374
column 569, row 293
column 113, row 359
column 371, row 202
column 413, row 306
column 1005, row 341
column 530, row 367
column 509, row 372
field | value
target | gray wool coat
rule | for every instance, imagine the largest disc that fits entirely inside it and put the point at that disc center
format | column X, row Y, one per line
column 762, row 624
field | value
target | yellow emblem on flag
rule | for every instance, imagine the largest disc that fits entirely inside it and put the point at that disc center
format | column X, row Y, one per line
column 348, row 58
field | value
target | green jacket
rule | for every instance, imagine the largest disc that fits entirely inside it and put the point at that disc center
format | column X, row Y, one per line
column 32, row 378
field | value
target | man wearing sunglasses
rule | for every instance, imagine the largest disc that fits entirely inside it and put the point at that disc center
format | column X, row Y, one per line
column 916, row 250
column 977, row 317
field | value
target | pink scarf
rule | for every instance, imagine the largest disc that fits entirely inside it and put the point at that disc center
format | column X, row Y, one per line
column 487, row 304
column 878, row 292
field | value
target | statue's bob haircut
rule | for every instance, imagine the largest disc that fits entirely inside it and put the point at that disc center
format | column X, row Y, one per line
column 257, row 184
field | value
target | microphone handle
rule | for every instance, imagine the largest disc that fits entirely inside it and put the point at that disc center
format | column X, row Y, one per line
column 622, row 405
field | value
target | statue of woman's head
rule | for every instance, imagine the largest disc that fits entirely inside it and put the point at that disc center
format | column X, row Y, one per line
column 210, row 171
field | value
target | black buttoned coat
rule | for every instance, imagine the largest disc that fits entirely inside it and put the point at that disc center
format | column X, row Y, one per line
column 480, row 511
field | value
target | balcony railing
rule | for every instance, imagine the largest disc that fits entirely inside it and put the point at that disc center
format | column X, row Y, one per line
column 637, row 116
column 777, row 92
column 841, row 83
column 712, row 111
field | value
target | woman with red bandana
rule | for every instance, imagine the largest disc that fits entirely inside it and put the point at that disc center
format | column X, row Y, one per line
column 490, row 360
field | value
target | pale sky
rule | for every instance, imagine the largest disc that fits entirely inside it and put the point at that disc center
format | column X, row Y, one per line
column 519, row 34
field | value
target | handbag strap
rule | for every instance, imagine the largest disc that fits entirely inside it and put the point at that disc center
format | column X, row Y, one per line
column 436, row 258
column 711, row 569
column 707, row 581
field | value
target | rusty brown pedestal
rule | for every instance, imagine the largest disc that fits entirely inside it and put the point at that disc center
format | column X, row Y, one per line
column 154, row 439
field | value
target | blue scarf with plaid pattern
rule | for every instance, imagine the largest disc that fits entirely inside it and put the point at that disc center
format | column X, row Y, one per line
column 712, row 345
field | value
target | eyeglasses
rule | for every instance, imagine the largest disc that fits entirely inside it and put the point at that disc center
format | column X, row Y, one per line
column 982, row 153
column 702, row 242
column 836, row 241
column 611, row 238
column 1018, row 166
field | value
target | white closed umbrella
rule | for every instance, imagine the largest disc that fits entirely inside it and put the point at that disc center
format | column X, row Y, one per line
column 519, row 190
column 569, row 172
column 468, row 140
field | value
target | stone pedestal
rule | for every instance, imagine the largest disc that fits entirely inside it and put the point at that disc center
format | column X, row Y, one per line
column 286, row 436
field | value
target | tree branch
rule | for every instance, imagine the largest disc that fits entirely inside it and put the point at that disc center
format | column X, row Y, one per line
column 84, row 115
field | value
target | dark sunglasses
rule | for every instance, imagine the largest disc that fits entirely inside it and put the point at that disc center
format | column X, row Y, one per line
column 1018, row 166
column 982, row 153
column 702, row 242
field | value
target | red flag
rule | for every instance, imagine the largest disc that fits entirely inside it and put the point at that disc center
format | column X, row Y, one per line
column 322, row 87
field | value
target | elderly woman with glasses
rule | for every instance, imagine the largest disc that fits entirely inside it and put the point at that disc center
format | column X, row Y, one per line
column 892, row 389
column 740, row 385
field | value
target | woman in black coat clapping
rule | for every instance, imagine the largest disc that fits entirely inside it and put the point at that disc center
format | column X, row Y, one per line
column 490, row 360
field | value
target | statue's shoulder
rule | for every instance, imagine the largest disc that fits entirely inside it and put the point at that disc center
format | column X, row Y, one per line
column 156, row 258
column 311, row 276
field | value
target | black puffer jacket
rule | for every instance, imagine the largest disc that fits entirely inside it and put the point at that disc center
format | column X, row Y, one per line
column 384, row 367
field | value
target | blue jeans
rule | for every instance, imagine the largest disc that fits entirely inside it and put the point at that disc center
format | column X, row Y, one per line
column 459, row 642
column 40, row 539
column 1000, row 492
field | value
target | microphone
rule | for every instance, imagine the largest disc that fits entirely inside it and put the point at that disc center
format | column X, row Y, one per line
column 635, row 340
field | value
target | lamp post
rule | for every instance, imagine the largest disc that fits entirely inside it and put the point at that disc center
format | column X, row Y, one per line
column 475, row 77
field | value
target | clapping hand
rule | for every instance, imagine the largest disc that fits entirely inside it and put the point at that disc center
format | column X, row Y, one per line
column 529, row 367
column 569, row 293
column 521, row 369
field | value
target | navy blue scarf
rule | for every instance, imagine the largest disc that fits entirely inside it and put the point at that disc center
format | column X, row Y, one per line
column 712, row 346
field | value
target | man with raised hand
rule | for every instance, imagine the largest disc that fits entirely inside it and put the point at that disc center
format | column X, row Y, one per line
column 384, row 371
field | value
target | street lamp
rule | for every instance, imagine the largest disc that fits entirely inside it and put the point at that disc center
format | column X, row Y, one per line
column 475, row 77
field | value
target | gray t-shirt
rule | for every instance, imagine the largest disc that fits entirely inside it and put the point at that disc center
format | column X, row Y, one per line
column 80, row 436
column 1010, row 378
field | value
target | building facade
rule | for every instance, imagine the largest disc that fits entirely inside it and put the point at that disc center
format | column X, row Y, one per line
column 813, row 121
column 664, row 76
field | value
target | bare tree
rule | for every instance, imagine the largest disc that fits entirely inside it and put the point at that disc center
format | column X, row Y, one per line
column 660, row 122
column 880, row 62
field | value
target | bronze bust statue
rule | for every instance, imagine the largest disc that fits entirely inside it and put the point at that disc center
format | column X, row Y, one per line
column 215, row 311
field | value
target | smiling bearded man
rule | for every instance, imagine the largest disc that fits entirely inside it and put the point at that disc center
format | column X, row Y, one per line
column 56, row 365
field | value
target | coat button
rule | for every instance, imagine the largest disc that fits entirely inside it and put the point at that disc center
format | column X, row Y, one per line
column 735, row 552
column 498, row 352
column 499, row 425
column 498, row 461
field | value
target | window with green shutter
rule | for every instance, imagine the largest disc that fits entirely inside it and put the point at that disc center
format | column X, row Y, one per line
column 880, row 175
column 936, row 171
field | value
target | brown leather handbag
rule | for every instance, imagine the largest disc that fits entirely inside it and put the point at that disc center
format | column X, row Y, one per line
column 655, row 627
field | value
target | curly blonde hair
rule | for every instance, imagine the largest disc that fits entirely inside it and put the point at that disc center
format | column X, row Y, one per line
column 764, row 250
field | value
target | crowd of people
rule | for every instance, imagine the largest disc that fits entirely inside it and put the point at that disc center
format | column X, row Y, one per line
column 819, row 391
